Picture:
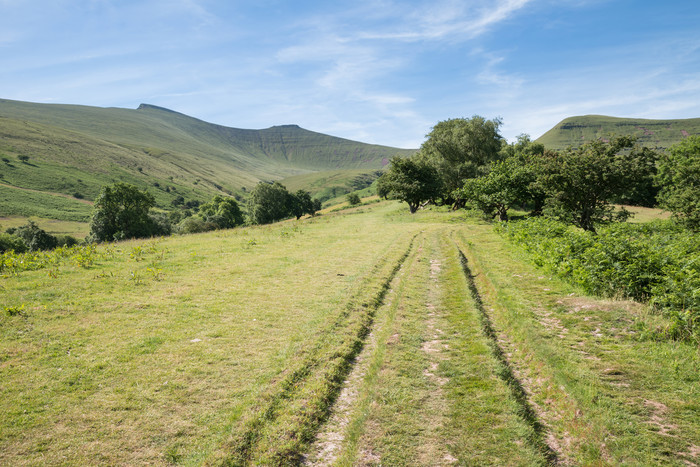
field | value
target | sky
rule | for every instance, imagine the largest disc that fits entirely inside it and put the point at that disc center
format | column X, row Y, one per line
column 382, row 71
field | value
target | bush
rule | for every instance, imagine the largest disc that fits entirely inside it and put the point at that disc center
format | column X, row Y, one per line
column 194, row 224
column 66, row 241
column 353, row 199
column 34, row 237
column 9, row 242
column 657, row 263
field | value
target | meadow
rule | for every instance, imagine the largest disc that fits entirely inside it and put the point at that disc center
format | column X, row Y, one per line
column 362, row 336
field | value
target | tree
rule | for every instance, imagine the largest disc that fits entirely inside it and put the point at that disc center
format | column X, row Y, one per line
column 528, row 156
column 505, row 185
column 35, row 237
column 353, row 199
column 412, row 180
column 461, row 149
column 382, row 188
column 301, row 203
column 223, row 211
column 582, row 183
column 679, row 179
column 269, row 203
column 122, row 211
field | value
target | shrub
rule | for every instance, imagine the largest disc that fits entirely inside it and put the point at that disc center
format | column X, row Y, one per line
column 657, row 263
column 34, row 237
column 9, row 242
column 66, row 240
column 353, row 199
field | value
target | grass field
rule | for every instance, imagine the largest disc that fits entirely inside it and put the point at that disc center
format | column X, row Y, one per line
column 366, row 336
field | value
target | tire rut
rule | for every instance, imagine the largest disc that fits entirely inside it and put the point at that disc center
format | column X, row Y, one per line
column 526, row 411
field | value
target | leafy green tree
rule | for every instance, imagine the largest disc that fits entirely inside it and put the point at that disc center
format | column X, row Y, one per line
column 35, row 237
column 679, row 178
column 301, row 203
column 413, row 180
column 382, row 188
column 223, row 211
column 269, row 203
column 122, row 211
column 461, row 149
column 528, row 156
column 353, row 199
column 505, row 185
column 582, row 183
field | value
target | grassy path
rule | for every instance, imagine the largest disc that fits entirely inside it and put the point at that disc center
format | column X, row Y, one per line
column 364, row 337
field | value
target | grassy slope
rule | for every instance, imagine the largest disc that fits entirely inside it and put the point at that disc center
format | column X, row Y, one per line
column 232, row 347
column 329, row 185
column 79, row 149
column 575, row 131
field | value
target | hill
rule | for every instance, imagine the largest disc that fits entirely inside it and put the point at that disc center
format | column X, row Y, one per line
column 75, row 150
column 660, row 134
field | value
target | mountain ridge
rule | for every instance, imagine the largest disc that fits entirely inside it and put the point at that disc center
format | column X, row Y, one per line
column 77, row 149
column 654, row 133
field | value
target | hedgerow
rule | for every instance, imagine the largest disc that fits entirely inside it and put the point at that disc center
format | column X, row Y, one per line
column 657, row 263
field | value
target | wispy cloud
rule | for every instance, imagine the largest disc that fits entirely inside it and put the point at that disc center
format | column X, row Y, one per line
column 449, row 20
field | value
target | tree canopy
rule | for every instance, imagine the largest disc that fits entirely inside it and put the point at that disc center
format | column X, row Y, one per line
column 582, row 183
column 679, row 177
column 122, row 211
column 413, row 180
column 461, row 149
column 223, row 211
column 506, row 184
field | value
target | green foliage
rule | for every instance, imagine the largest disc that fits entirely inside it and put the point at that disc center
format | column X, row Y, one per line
column 353, row 199
column 679, row 177
column 461, row 149
column 654, row 262
column 413, row 180
column 222, row 211
column 505, row 185
column 121, row 212
column 582, row 183
column 13, row 263
column 34, row 237
column 269, row 203
column 9, row 242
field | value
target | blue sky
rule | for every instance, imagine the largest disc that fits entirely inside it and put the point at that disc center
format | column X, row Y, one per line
column 375, row 71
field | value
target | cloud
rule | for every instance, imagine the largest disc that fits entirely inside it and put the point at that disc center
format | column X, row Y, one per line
column 449, row 20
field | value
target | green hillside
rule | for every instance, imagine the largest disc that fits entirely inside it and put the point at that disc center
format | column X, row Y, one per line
column 75, row 150
column 660, row 134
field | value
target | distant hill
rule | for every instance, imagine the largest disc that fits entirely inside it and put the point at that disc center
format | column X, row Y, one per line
column 75, row 150
column 660, row 134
